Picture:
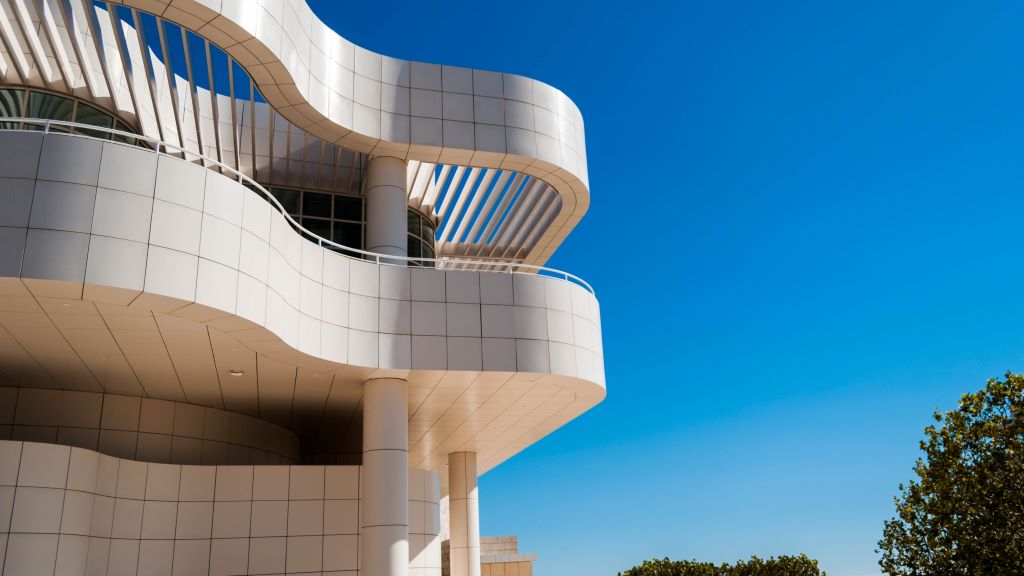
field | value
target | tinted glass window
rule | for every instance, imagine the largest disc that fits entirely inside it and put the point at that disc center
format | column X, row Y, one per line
column 414, row 223
column 348, row 234
column 321, row 228
column 316, row 204
column 86, row 114
column 33, row 104
column 325, row 214
column 11, row 102
column 288, row 198
column 49, row 106
column 421, row 237
column 348, row 208
column 118, row 125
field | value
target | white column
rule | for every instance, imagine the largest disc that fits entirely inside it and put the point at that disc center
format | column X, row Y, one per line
column 463, row 515
column 386, row 206
column 385, row 482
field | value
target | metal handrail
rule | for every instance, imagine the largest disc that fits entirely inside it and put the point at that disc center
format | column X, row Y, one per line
column 448, row 263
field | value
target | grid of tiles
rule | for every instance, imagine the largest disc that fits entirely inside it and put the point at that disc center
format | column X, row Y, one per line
column 341, row 94
column 94, row 224
column 499, row 556
column 493, row 545
column 188, row 102
column 158, row 227
column 507, row 569
column 67, row 510
column 143, row 429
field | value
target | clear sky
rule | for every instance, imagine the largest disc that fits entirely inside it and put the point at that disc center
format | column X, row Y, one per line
column 805, row 235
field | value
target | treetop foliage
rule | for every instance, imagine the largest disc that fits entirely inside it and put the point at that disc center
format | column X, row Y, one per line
column 964, row 515
column 782, row 566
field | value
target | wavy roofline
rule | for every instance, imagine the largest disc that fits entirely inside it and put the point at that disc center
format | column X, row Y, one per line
column 375, row 104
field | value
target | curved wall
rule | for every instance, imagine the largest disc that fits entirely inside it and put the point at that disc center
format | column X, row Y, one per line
column 145, row 429
column 165, row 233
column 373, row 103
column 70, row 511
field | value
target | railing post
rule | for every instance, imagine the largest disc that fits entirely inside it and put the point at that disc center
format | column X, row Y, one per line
column 46, row 127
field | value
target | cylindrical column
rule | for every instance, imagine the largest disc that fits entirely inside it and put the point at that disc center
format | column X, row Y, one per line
column 463, row 515
column 387, row 206
column 385, row 485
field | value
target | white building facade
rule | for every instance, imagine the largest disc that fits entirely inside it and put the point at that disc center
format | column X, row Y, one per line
column 268, row 299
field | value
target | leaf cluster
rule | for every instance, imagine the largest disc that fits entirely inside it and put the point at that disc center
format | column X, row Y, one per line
column 964, row 514
column 782, row 566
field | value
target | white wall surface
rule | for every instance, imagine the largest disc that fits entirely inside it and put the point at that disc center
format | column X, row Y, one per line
column 167, row 233
column 145, row 429
column 393, row 104
column 373, row 103
column 70, row 511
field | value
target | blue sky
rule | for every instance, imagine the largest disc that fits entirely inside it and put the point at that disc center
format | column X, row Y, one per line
column 805, row 237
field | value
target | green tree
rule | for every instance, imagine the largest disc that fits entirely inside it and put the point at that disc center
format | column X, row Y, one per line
column 782, row 566
column 964, row 515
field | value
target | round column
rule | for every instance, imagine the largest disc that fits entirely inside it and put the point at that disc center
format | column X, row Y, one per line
column 463, row 515
column 384, row 545
column 387, row 206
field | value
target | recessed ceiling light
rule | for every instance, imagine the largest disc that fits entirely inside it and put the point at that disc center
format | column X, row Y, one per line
column 236, row 372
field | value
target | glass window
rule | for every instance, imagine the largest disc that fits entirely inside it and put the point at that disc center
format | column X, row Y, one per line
column 426, row 251
column 118, row 125
column 49, row 106
column 30, row 103
column 421, row 236
column 86, row 114
column 325, row 214
column 288, row 198
column 11, row 103
column 348, row 208
column 321, row 228
column 414, row 223
column 316, row 204
column 348, row 234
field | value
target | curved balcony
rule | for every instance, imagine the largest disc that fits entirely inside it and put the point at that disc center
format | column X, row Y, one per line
column 266, row 86
column 134, row 271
